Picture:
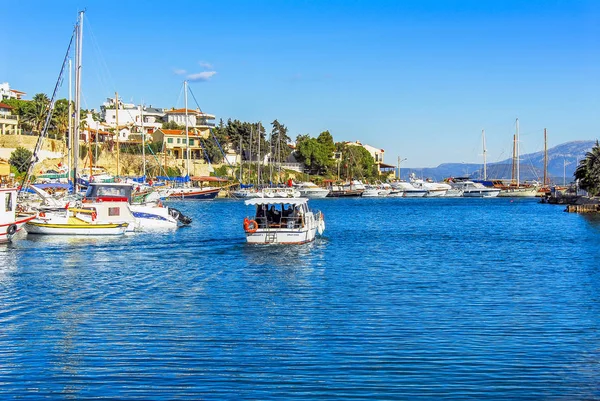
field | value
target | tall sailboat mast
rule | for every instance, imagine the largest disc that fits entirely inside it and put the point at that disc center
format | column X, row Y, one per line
column 78, row 53
column 484, row 156
column 143, row 141
column 70, row 137
column 518, row 156
column 545, row 158
column 187, row 136
column 258, row 161
column 118, row 133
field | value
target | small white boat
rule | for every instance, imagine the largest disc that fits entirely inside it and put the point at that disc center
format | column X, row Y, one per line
column 311, row 190
column 434, row 189
column 475, row 190
column 408, row 190
column 106, row 218
column 148, row 215
column 10, row 221
column 282, row 221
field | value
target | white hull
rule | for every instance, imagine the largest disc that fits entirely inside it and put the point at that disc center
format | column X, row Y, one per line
column 19, row 222
column 66, row 229
column 282, row 236
column 152, row 217
column 313, row 193
column 414, row 193
column 432, row 193
column 519, row 192
column 481, row 193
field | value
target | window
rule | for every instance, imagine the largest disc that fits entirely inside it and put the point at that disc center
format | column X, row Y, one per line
column 183, row 141
column 8, row 202
column 114, row 211
column 169, row 140
column 178, row 140
column 191, row 142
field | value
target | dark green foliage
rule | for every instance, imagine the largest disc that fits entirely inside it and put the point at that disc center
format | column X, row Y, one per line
column 20, row 159
column 588, row 171
column 172, row 125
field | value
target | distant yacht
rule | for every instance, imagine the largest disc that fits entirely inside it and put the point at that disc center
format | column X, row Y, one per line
column 311, row 190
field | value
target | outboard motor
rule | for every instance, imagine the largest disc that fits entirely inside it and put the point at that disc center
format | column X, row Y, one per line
column 177, row 215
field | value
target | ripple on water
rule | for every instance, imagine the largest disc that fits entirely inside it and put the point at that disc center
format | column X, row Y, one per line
column 402, row 298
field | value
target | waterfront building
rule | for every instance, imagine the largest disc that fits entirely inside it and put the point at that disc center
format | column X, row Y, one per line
column 196, row 119
column 132, row 118
column 378, row 154
column 9, row 124
column 7, row 93
column 174, row 142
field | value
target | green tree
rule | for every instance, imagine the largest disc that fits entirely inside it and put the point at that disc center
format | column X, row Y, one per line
column 173, row 125
column 20, row 159
column 60, row 118
column 588, row 171
column 280, row 149
column 35, row 112
column 315, row 153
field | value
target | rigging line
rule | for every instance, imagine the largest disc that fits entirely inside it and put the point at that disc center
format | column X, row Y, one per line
column 198, row 105
column 101, row 61
column 38, row 145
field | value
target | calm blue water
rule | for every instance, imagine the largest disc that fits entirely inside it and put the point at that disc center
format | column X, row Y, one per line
column 403, row 299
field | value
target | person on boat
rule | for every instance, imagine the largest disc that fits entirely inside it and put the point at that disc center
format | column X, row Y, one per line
column 261, row 216
column 286, row 215
column 275, row 215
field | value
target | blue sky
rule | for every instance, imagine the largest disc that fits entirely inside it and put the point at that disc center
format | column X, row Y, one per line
column 420, row 79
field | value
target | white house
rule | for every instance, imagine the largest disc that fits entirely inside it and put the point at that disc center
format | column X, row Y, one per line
column 7, row 93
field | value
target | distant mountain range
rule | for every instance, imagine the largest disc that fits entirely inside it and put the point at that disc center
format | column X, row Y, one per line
column 531, row 166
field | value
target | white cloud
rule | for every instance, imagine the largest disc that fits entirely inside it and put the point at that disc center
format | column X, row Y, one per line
column 206, row 65
column 201, row 76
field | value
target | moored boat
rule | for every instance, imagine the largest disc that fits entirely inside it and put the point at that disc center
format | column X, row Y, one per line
column 10, row 221
column 106, row 218
column 282, row 221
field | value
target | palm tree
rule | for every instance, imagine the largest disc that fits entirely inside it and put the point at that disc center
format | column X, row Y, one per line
column 588, row 171
column 60, row 118
column 36, row 111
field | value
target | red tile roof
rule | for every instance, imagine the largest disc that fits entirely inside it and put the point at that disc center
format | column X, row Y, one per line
column 177, row 132
column 182, row 111
column 5, row 106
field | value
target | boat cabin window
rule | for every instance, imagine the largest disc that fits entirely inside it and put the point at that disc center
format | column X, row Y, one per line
column 121, row 191
column 114, row 211
column 279, row 215
column 8, row 201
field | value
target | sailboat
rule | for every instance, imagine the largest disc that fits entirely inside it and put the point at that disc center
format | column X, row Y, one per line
column 516, row 189
column 193, row 188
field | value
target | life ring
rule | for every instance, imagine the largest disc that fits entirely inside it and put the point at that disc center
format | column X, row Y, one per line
column 42, row 214
column 250, row 226
column 11, row 229
column 94, row 215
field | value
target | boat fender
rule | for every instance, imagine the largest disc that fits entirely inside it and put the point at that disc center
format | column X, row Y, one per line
column 42, row 214
column 94, row 215
column 11, row 229
column 250, row 226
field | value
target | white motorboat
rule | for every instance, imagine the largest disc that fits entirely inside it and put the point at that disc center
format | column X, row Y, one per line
column 408, row 190
column 147, row 215
column 434, row 189
column 10, row 221
column 282, row 221
column 311, row 190
column 475, row 190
